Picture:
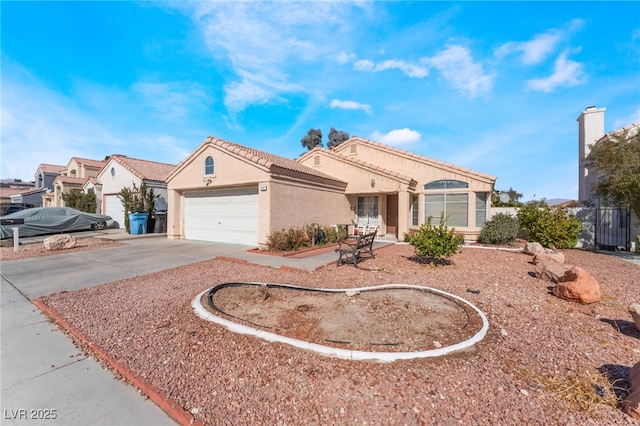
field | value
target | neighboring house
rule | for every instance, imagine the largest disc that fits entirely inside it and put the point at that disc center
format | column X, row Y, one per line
column 96, row 185
column 72, row 178
column 46, row 174
column 591, row 132
column 123, row 172
column 226, row 192
column 15, row 191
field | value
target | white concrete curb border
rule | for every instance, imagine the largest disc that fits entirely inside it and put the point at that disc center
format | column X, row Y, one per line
column 352, row 355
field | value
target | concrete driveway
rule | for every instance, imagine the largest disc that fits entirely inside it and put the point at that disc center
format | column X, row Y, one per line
column 43, row 374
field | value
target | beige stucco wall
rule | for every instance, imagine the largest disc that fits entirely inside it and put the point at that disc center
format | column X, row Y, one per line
column 364, row 182
column 296, row 205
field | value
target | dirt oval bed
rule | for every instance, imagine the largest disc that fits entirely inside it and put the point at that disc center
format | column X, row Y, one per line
column 383, row 323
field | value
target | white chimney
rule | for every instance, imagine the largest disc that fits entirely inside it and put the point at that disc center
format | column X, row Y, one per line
column 590, row 129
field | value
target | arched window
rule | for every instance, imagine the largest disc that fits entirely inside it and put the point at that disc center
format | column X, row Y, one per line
column 446, row 184
column 208, row 166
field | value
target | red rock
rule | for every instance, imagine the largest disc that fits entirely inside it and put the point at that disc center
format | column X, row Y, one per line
column 577, row 284
column 631, row 404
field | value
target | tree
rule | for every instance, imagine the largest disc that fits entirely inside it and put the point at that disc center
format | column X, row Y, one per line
column 83, row 201
column 336, row 137
column 550, row 226
column 312, row 139
column 514, row 197
column 617, row 161
column 137, row 200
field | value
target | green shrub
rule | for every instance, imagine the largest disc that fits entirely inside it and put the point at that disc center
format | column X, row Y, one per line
column 501, row 229
column 549, row 226
column 435, row 242
column 306, row 236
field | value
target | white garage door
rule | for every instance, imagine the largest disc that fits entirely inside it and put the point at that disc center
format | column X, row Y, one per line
column 113, row 207
column 224, row 215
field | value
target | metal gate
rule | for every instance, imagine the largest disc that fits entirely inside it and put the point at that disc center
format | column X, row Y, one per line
column 613, row 229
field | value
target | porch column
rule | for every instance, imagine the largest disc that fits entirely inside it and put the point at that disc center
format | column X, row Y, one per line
column 404, row 219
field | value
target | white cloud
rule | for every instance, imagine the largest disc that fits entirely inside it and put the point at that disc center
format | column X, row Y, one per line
column 261, row 41
column 170, row 101
column 410, row 70
column 540, row 47
column 336, row 103
column 40, row 125
column 364, row 65
column 533, row 51
column 566, row 73
column 397, row 137
column 458, row 68
column 345, row 57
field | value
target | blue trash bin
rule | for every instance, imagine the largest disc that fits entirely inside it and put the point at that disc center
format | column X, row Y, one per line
column 138, row 223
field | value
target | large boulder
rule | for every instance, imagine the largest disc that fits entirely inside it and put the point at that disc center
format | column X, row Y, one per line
column 634, row 310
column 631, row 404
column 577, row 284
column 549, row 255
column 551, row 271
column 59, row 242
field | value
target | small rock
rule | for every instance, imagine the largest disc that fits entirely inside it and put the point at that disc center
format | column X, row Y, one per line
column 352, row 293
column 503, row 332
column 533, row 248
column 524, row 392
column 437, row 344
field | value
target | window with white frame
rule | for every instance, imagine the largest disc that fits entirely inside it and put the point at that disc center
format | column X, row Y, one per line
column 481, row 208
column 414, row 210
column 208, row 166
column 454, row 206
column 368, row 207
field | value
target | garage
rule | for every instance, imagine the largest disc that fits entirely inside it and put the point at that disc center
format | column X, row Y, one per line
column 113, row 207
column 223, row 215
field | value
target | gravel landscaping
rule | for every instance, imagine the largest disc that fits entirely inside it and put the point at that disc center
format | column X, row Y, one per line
column 542, row 361
column 37, row 249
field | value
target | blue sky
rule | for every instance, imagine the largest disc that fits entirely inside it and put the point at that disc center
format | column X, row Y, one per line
column 492, row 86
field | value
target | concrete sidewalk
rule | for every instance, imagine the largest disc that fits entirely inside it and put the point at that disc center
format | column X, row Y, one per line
column 42, row 370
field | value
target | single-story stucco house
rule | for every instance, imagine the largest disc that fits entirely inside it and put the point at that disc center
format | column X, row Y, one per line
column 121, row 172
column 225, row 192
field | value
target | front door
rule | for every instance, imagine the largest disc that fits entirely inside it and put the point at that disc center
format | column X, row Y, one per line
column 392, row 214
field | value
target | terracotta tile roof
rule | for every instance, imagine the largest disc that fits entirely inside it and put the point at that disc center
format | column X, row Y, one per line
column 51, row 168
column 94, row 181
column 34, row 191
column 8, row 192
column 632, row 129
column 69, row 180
column 144, row 169
column 267, row 160
column 417, row 157
column 363, row 164
column 88, row 162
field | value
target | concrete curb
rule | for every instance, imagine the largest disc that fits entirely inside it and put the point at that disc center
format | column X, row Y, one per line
column 168, row 405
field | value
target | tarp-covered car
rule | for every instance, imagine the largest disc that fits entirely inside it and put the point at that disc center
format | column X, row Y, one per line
column 52, row 220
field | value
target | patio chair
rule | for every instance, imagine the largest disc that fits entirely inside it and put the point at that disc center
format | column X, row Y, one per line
column 362, row 224
column 372, row 226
